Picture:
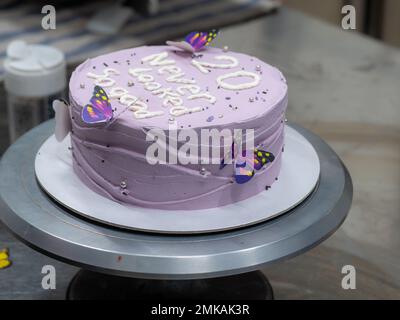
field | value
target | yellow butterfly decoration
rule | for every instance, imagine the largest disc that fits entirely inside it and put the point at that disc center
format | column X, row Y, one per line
column 4, row 262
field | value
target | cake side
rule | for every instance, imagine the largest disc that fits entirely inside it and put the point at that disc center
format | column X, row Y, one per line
column 111, row 159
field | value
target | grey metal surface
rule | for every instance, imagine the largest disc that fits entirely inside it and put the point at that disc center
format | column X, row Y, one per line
column 41, row 223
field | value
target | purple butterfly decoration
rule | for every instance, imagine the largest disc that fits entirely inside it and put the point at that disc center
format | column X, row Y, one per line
column 247, row 162
column 195, row 41
column 99, row 110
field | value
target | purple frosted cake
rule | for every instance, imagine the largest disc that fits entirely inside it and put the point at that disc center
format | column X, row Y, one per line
column 164, row 88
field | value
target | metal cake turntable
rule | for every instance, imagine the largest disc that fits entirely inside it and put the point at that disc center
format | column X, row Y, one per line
column 195, row 265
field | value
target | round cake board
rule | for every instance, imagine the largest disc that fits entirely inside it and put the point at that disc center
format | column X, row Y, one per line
column 297, row 179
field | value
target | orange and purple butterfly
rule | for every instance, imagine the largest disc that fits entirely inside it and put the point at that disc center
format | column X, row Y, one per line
column 247, row 162
column 195, row 41
column 99, row 110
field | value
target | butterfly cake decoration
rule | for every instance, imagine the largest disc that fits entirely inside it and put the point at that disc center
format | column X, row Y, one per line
column 247, row 162
column 99, row 109
column 195, row 41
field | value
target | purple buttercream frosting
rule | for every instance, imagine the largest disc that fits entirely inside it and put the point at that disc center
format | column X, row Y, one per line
column 111, row 158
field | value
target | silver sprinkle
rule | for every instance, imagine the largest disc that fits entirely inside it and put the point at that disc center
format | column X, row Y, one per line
column 258, row 68
column 123, row 184
column 82, row 86
column 130, row 83
column 226, row 49
column 203, row 171
column 220, row 116
column 171, row 120
column 286, row 120
column 251, row 99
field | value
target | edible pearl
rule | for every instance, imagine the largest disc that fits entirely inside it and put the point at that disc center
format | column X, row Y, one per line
column 258, row 68
column 220, row 116
column 251, row 99
column 286, row 120
column 123, row 184
column 226, row 48
column 82, row 86
column 203, row 171
column 130, row 83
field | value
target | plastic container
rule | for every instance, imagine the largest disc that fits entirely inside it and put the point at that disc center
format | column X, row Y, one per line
column 35, row 75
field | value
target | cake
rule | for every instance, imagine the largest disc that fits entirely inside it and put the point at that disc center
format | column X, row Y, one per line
column 167, row 89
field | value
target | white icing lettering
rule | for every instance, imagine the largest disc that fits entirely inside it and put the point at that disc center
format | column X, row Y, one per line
column 169, row 69
column 104, row 82
column 143, row 114
column 145, row 78
column 158, row 59
column 138, row 105
column 204, row 66
column 181, row 110
column 106, row 72
column 137, row 71
column 177, row 78
column 128, row 99
column 204, row 95
column 174, row 101
column 193, row 89
column 117, row 92
column 102, row 79
column 247, row 85
column 151, row 86
column 139, row 108
column 163, row 92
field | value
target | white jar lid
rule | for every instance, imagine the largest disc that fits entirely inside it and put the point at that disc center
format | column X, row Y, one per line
column 34, row 70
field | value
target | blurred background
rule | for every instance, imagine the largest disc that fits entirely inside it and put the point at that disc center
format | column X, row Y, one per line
column 343, row 85
column 376, row 18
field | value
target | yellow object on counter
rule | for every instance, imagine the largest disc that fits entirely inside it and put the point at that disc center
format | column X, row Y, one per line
column 4, row 262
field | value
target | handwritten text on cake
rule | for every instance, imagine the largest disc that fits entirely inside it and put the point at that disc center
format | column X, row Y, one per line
column 172, row 98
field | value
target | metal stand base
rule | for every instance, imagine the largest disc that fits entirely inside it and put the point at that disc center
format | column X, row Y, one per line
column 89, row 285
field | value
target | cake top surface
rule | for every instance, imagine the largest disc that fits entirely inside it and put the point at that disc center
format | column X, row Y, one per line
column 156, row 86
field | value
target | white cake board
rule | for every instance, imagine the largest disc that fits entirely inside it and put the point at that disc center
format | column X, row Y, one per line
column 297, row 179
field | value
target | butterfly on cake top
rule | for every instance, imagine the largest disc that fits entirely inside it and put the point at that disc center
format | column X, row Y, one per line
column 245, row 163
column 195, row 41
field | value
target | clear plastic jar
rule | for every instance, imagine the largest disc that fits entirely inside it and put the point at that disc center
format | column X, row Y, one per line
column 35, row 76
